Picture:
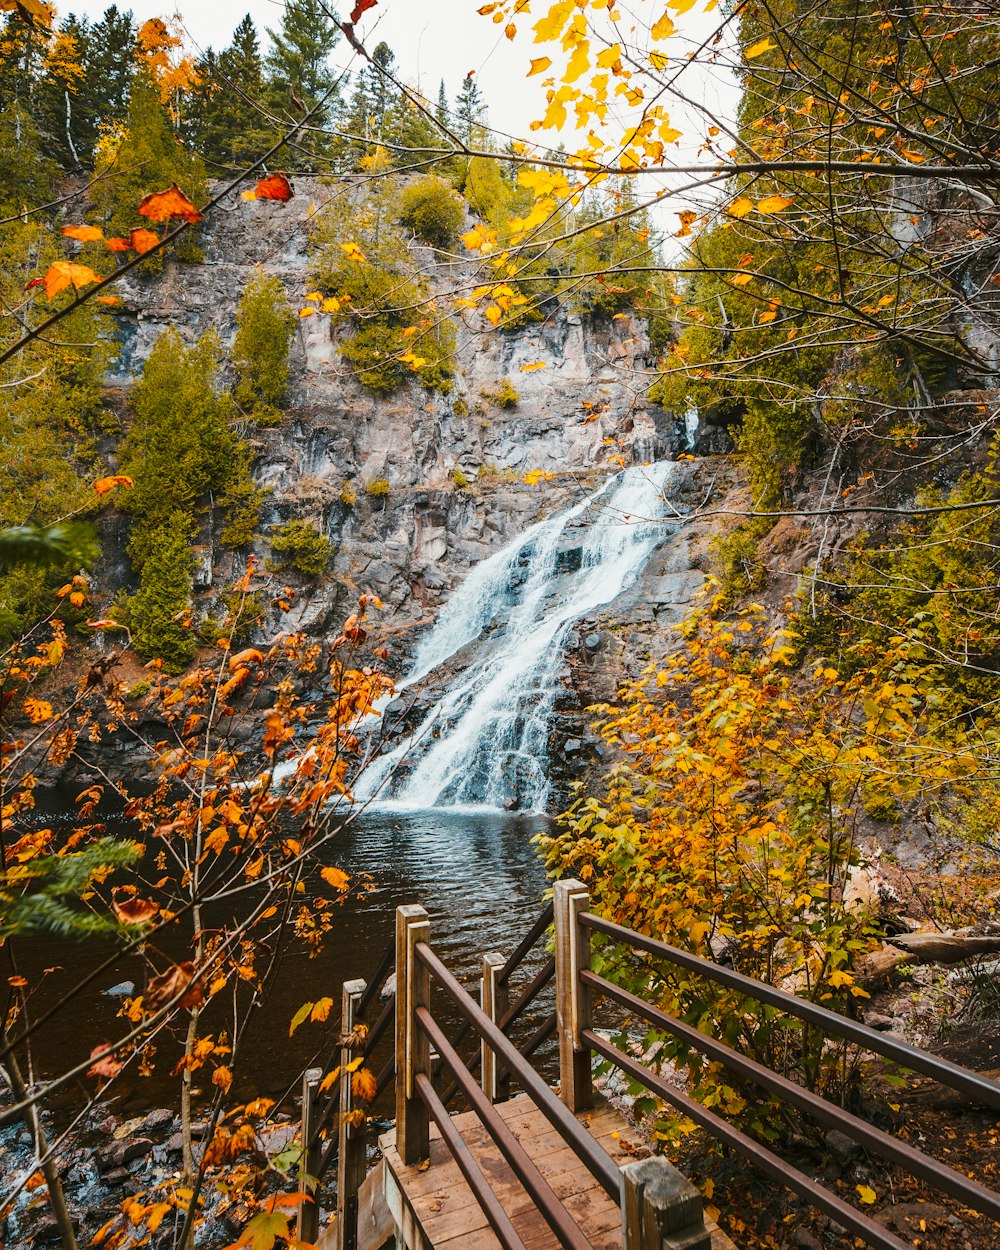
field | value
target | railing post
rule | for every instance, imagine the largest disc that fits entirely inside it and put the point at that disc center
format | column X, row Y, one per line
column 413, row 1052
column 351, row 1151
column 495, row 1001
column 573, row 1000
column 308, row 1218
column 661, row 1209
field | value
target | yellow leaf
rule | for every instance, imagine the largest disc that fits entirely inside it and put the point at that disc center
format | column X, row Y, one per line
column 335, row 877
column 539, row 65
column 307, row 312
column 774, row 203
column 740, row 207
column 321, row 1009
column 363, row 1085
column 866, row 1193
column 493, row 314
column 759, row 48
column 352, row 252
column 741, row 279
column 662, row 28
column 535, row 364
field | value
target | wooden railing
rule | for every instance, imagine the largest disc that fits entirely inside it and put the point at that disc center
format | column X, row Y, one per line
column 430, row 1073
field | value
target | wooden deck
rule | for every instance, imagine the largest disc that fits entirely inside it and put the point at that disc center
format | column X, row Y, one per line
column 435, row 1209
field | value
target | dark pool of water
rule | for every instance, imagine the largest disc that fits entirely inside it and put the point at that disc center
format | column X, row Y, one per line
column 476, row 873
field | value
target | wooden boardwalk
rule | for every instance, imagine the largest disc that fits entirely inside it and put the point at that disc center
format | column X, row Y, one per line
column 435, row 1208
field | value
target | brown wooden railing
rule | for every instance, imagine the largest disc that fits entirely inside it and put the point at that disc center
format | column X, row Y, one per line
column 425, row 1055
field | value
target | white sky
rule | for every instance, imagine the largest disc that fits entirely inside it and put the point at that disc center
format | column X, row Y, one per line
column 432, row 39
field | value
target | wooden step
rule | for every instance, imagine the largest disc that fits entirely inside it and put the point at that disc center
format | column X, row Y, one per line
column 434, row 1208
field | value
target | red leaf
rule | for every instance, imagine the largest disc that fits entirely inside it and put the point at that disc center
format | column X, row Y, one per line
column 361, row 8
column 105, row 1063
column 162, row 205
column 274, row 187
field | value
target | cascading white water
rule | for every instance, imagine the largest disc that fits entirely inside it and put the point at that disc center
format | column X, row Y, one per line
column 485, row 741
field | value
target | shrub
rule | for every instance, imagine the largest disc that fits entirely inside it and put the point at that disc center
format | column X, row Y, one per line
column 301, row 546
column 460, row 407
column 459, row 478
column 378, row 488
column 503, row 394
column 432, row 210
column 138, row 690
column 348, row 495
column 372, row 353
column 737, row 565
column 265, row 324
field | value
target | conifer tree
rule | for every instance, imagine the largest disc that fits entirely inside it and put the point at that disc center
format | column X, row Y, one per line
column 156, row 612
column 470, row 113
column 148, row 157
column 227, row 124
column 298, row 62
column 441, row 111
column 265, row 324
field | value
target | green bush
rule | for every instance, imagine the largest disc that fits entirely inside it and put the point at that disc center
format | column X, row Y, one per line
column 459, row 478
column 503, row 394
column 301, row 546
column 736, row 565
column 348, row 495
column 265, row 324
column 372, row 353
column 138, row 690
column 378, row 488
column 432, row 210
column 460, row 407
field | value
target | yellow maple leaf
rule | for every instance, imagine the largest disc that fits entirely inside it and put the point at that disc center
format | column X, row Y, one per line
column 740, row 207
column 774, row 203
column 759, row 48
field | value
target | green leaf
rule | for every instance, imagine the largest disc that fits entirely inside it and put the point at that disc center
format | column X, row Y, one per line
column 301, row 1015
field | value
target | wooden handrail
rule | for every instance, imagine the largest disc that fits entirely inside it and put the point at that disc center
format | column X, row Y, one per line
column 978, row 1088
column 597, row 1160
column 498, row 1218
column 537, row 1187
column 779, row 1169
column 937, row 1174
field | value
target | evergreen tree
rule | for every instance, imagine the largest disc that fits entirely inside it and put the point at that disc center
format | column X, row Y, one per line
column 373, row 101
column 149, row 157
column 84, row 85
column 298, row 62
column 156, row 613
column 441, row 111
column 227, row 124
column 470, row 113
column 265, row 324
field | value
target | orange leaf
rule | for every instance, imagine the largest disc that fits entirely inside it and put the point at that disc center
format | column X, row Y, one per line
column 108, row 299
column 274, row 187
column 64, row 273
column 83, row 234
column 223, row 1078
column 162, row 205
column 363, row 1085
column 104, row 484
column 118, row 245
column 164, row 988
column 142, row 241
column 132, row 909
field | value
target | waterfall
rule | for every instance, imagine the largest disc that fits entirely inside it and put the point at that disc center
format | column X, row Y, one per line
column 484, row 742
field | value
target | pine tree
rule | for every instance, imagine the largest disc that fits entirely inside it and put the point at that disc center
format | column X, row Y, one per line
column 441, row 112
column 156, row 612
column 470, row 113
column 227, row 124
column 265, row 324
column 372, row 102
column 148, row 157
column 298, row 62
